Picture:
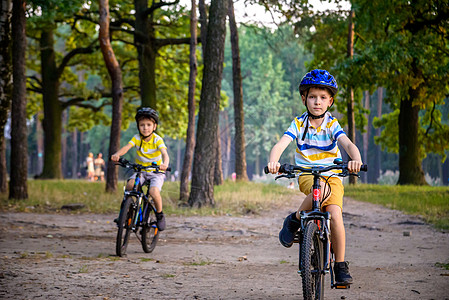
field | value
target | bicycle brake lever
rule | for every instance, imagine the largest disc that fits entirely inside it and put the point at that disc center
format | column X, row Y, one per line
column 354, row 174
column 280, row 176
column 285, row 176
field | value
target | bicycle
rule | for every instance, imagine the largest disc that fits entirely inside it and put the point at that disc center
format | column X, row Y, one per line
column 137, row 211
column 315, row 251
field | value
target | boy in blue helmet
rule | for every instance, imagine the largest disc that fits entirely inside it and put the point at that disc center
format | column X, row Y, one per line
column 150, row 148
column 316, row 134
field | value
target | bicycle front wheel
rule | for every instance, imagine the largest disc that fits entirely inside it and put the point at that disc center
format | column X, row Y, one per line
column 150, row 232
column 312, row 263
column 125, row 221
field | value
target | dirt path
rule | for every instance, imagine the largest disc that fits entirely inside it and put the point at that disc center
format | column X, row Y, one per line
column 72, row 257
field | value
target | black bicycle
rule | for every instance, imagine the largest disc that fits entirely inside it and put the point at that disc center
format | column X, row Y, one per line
column 315, row 251
column 137, row 212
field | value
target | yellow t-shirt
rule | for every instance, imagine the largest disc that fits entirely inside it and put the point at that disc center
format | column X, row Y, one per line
column 148, row 152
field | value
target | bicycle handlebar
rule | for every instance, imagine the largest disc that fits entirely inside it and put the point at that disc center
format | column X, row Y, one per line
column 339, row 165
column 137, row 167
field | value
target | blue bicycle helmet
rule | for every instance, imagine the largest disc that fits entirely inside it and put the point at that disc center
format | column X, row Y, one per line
column 318, row 78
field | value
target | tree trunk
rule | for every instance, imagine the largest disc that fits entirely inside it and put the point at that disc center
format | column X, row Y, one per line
column 190, row 137
column 218, row 169
column 74, row 154
column 410, row 162
column 52, row 122
column 350, row 106
column 19, row 145
column 378, row 167
column 117, row 93
column 366, row 137
column 64, row 167
column 239, row 118
column 39, row 144
column 202, row 190
column 5, row 84
column 146, row 53
column 227, row 145
column 203, row 21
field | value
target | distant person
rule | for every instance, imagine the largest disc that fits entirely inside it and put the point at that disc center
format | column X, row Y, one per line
column 233, row 176
column 150, row 148
column 316, row 133
column 90, row 166
column 99, row 167
column 291, row 185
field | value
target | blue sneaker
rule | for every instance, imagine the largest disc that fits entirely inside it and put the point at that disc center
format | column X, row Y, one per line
column 287, row 233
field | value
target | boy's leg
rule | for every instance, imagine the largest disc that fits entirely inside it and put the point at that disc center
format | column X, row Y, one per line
column 156, row 195
column 338, row 239
column 338, row 232
column 156, row 183
column 129, row 184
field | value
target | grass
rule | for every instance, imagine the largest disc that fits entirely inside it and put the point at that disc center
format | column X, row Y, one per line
column 432, row 203
column 231, row 198
column 46, row 196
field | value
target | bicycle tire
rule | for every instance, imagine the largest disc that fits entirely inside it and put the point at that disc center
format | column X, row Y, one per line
column 150, row 232
column 312, row 263
column 125, row 221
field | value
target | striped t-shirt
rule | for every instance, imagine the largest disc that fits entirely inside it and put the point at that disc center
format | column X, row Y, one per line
column 150, row 151
column 319, row 147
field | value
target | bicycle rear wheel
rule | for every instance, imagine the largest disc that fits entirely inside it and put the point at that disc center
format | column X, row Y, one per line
column 150, row 232
column 312, row 263
column 125, row 221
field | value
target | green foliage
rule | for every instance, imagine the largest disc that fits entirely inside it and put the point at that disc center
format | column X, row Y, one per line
column 388, row 139
column 272, row 65
column 406, row 52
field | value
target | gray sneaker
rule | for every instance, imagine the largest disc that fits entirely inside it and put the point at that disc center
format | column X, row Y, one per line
column 160, row 221
column 341, row 271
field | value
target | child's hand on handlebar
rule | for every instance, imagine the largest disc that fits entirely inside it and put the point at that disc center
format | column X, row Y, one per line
column 163, row 167
column 354, row 166
column 115, row 157
column 273, row 167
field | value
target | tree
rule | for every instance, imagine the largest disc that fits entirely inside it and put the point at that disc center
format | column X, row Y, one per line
column 117, row 92
column 407, row 53
column 350, row 101
column 239, row 119
column 53, row 72
column 19, row 147
column 202, row 189
column 148, row 44
column 5, row 84
column 190, row 137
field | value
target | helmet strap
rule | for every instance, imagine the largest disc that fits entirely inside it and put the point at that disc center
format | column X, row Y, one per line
column 142, row 137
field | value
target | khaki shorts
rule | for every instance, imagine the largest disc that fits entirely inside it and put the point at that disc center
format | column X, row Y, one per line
column 155, row 179
column 306, row 183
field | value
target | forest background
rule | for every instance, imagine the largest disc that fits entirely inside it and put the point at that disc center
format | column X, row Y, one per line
column 391, row 61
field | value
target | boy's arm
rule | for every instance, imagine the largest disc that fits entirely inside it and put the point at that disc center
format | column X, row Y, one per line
column 165, row 159
column 276, row 152
column 122, row 151
column 356, row 159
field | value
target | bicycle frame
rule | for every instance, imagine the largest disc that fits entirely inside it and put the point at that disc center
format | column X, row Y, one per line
column 322, row 219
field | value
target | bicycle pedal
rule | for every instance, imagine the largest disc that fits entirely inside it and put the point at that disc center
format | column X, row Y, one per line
column 342, row 286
